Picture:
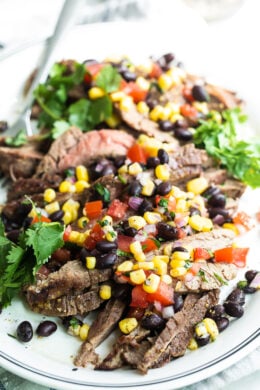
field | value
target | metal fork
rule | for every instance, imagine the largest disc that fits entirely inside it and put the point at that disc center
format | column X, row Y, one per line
column 65, row 21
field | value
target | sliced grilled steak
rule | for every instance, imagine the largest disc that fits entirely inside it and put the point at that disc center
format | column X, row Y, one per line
column 69, row 278
column 69, row 305
column 193, row 311
column 101, row 328
column 74, row 148
column 228, row 99
column 215, row 176
column 211, row 276
column 232, row 188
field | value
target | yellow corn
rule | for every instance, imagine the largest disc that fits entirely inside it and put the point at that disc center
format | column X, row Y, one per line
column 211, row 328
column 105, row 291
column 49, row 195
column 162, row 172
column 66, row 186
column 232, row 227
column 80, row 185
column 178, row 255
column 82, row 173
column 137, row 222
column 166, row 279
column 107, row 220
column 142, row 108
column 176, row 117
column 200, row 329
column 138, row 276
column 126, row 266
column 117, row 96
column 146, row 66
column 76, row 237
column 160, row 266
column 165, row 82
column 113, row 121
column 82, row 222
column 127, row 325
column 148, row 188
column 126, row 103
column 83, row 332
column 198, row 185
column 123, row 169
column 201, row 224
column 193, row 345
column 179, row 271
column 111, row 235
column 52, row 207
column 71, row 206
column 143, row 83
column 67, row 217
column 167, row 250
column 134, row 169
column 156, row 112
column 181, row 206
column 145, row 265
column 136, row 249
column 164, row 114
column 216, row 116
column 152, row 217
column 96, row 93
column 174, row 107
column 152, row 283
column 163, row 258
column 90, row 262
column 201, row 107
column 176, row 263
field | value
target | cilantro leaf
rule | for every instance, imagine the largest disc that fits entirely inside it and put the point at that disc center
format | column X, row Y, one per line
column 108, row 79
column 18, row 140
column 99, row 110
column 78, row 113
column 59, row 128
column 103, row 191
column 220, row 279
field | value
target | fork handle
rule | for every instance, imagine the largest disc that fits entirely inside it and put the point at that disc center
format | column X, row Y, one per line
column 65, row 20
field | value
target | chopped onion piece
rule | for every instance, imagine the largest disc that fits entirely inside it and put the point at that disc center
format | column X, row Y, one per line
column 256, row 281
column 150, row 229
column 134, row 202
column 168, row 312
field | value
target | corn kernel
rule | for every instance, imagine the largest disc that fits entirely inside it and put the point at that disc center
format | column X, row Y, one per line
column 139, row 256
column 67, row 217
column 201, row 224
column 145, row 265
column 52, row 207
column 113, row 121
column 81, row 185
column 156, row 112
column 90, row 262
column 200, row 329
column 162, row 172
column 146, row 66
column 143, row 83
column 193, row 345
column 176, row 117
column 137, row 222
column 152, row 217
column 74, row 236
column 165, row 82
column 176, row 272
column 181, row 206
column 66, row 186
column 142, row 107
column 232, row 227
column 126, row 104
column 123, row 169
column 105, row 291
column 211, row 328
column 201, row 107
column 160, row 266
column 127, row 325
column 107, row 220
column 176, row 263
column 164, row 114
column 148, row 188
column 179, row 255
column 166, row 279
column 96, row 93
column 198, row 185
column 174, row 107
column 82, row 222
column 126, row 266
column 167, row 250
column 136, row 250
column 216, row 116
column 138, row 276
column 111, row 235
column 82, row 173
column 74, row 330
column 117, row 96
column 83, row 332
column 134, row 169
column 49, row 195
column 152, row 283
column 163, row 258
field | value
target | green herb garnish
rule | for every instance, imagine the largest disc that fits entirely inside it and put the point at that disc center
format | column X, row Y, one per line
column 202, row 275
column 103, row 191
column 18, row 140
column 220, row 279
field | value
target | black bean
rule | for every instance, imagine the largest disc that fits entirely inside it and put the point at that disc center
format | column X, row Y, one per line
column 3, row 126
column 151, row 102
column 130, row 231
column 214, row 211
column 178, row 302
column 169, row 57
column 164, row 188
column 163, row 156
column 194, row 211
column 119, row 161
column 90, row 61
column 152, row 162
column 215, row 312
column 181, row 123
column 128, row 76
column 179, row 249
column 105, row 246
column 249, row 290
column 211, row 190
column 218, row 220
column 233, row 309
column 202, row 340
column 153, row 322
column 217, row 200
column 145, row 206
column 222, row 323
column 46, row 328
column 166, row 231
column 13, row 235
column 183, row 134
column 57, row 215
column 83, row 254
column 250, row 275
column 24, row 331
column 105, row 260
column 166, row 125
column 134, row 188
column 237, row 296
column 200, row 94
column 109, row 169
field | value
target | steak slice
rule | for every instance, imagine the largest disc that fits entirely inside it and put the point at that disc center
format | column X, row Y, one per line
column 71, row 277
column 75, row 148
column 228, row 99
column 193, row 312
column 69, row 305
column 232, row 188
column 212, row 276
column 101, row 328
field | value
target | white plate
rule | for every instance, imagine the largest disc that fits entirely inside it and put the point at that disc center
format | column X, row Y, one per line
column 49, row 361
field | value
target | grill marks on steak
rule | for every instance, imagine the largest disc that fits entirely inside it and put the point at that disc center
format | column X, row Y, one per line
column 100, row 329
column 70, row 278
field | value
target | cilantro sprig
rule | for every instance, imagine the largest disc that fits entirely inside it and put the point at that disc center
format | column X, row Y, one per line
column 239, row 157
column 20, row 262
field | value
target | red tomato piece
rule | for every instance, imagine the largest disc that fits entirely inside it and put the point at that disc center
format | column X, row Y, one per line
column 40, row 218
column 156, row 71
column 201, row 254
column 124, row 242
column 194, row 269
column 241, row 218
column 93, row 209
column 164, row 294
column 117, row 209
column 232, row 255
column 188, row 94
column 170, row 201
column 66, row 234
column 188, row 110
column 91, row 71
column 133, row 89
column 95, row 235
column 139, row 297
column 149, row 245
column 137, row 154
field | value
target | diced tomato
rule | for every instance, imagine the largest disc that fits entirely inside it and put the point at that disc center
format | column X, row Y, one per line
column 95, row 235
column 232, row 255
column 156, row 71
column 201, row 254
column 137, row 154
column 188, row 110
column 139, row 297
column 188, row 94
column 66, row 234
column 117, row 209
column 194, row 269
column 137, row 93
column 149, row 245
column 241, row 218
column 181, row 233
column 93, row 209
column 91, row 71
column 122, row 84
column 164, row 294
column 40, row 218
column 170, row 202
column 122, row 278
column 124, row 242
